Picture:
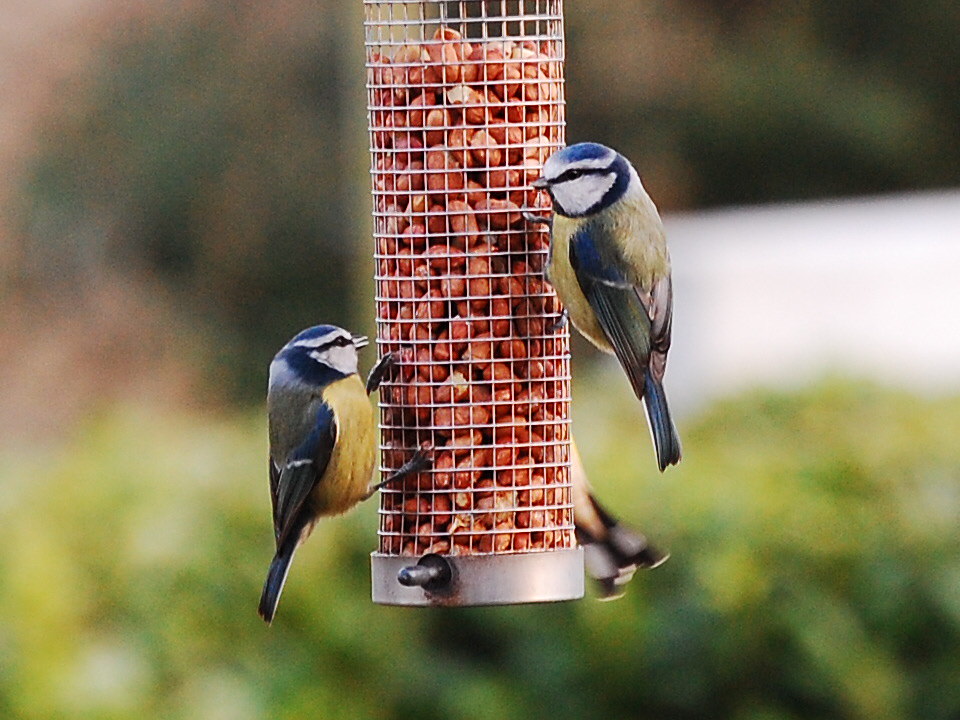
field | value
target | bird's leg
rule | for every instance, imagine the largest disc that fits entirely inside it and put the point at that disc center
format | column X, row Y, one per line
column 537, row 219
column 384, row 367
column 422, row 460
column 560, row 322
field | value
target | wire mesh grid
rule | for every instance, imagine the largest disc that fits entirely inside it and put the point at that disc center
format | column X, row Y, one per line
column 465, row 103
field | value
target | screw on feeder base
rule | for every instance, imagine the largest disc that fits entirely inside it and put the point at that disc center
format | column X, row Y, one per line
column 432, row 573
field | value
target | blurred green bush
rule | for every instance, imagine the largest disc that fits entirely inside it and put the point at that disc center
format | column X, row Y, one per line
column 815, row 573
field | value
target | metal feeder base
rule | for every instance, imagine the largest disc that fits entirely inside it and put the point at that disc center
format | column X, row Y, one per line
column 451, row 581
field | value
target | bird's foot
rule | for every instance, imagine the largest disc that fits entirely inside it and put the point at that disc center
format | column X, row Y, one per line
column 537, row 219
column 560, row 322
column 421, row 460
column 380, row 371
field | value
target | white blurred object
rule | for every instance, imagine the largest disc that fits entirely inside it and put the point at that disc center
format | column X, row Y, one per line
column 779, row 294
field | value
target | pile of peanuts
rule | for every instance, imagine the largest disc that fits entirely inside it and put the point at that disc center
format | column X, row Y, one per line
column 459, row 129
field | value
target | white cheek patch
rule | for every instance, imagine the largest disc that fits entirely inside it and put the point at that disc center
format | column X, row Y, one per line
column 343, row 359
column 579, row 195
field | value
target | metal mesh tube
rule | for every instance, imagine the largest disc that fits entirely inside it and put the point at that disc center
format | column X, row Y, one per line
column 465, row 103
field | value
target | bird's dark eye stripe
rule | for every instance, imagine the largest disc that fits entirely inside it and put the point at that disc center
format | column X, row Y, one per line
column 574, row 173
column 336, row 342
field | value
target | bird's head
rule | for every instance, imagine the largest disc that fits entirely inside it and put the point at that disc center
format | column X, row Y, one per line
column 318, row 356
column 585, row 178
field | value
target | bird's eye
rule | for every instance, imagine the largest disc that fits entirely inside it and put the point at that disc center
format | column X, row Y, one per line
column 341, row 342
column 574, row 173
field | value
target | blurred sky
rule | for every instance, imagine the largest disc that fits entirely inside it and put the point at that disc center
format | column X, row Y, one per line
column 780, row 294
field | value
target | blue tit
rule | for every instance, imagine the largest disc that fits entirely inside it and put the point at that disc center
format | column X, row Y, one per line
column 610, row 267
column 612, row 551
column 322, row 441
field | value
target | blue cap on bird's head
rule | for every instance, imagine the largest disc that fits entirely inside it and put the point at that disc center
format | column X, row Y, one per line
column 585, row 178
column 587, row 151
column 320, row 335
column 314, row 332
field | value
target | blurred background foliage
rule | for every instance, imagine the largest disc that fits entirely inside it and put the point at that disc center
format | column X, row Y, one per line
column 186, row 186
column 214, row 154
column 814, row 574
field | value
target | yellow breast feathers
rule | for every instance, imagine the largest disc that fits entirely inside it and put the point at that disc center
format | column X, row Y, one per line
column 354, row 454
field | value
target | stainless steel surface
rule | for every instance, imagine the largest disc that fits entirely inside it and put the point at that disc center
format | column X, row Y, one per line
column 550, row 576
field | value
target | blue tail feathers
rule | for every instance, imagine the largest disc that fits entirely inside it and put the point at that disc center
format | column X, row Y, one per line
column 665, row 438
column 276, row 577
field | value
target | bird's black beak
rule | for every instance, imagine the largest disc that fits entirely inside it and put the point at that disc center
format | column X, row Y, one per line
column 360, row 341
column 540, row 183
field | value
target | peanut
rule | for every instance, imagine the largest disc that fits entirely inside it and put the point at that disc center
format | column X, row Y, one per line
column 484, row 150
column 459, row 131
column 470, row 101
column 436, row 122
column 425, row 100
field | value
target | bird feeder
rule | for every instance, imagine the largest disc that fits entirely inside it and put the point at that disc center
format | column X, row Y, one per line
column 465, row 103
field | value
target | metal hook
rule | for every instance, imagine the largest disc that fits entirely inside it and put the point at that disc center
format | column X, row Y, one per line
column 432, row 573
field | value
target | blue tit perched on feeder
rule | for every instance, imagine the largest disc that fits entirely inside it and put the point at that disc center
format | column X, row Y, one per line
column 322, row 441
column 610, row 267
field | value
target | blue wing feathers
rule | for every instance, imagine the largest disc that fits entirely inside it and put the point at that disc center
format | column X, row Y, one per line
column 584, row 255
column 627, row 330
column 588, row 258
column 292, row 483
column 627, row 324
column 301, row 472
